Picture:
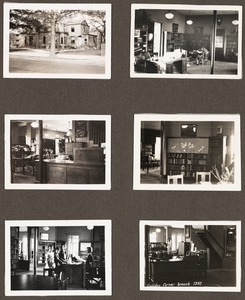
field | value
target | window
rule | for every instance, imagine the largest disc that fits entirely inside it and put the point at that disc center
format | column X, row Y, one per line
column 73, row 244
column 62, row 40
column 72, row 29
column 44, row 39
column 188, row 130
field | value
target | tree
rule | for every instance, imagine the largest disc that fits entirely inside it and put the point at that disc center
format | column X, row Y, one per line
column 27, row 20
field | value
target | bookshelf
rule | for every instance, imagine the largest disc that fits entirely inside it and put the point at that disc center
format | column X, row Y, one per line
column 175, row 41
column 14, row 249
column 187, row 164
column 141, row 39
column 232, row 47
column 186, row 156
column 218, row 151
column 196, row 41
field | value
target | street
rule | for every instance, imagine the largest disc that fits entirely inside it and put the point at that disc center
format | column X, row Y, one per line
column 38, row 61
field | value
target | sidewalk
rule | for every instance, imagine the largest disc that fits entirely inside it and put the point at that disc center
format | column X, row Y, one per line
column 63, row 54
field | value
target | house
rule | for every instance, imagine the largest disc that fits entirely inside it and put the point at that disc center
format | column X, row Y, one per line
column 68, row 35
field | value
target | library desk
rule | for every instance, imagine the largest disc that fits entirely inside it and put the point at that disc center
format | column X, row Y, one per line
column 70, row 172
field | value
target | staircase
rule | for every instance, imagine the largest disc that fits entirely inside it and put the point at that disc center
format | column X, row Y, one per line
column 215, row 250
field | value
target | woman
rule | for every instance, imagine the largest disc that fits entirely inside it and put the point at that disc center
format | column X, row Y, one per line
column 49, row 256
column 57, row 261
column 90, row 258
column 62, row 254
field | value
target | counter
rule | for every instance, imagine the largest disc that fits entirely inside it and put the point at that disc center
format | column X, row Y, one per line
column 76, row 272
column 177, row 269
column 69, row 172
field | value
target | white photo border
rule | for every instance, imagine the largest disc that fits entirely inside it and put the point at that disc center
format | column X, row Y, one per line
column 7, row 6
column 237, row 8
column 143, row 223
column 138, row 118
column 35, row 223
column 20, row 186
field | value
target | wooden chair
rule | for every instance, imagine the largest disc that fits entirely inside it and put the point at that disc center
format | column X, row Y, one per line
column 203, row 177
column 175, row 179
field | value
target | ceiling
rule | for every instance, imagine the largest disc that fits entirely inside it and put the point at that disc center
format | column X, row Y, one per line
column 59, row 125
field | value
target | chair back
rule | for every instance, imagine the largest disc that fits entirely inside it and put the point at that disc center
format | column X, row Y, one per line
column 175, row 179
column 203, row 177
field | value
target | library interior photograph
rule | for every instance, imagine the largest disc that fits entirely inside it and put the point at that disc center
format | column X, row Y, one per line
column 197, row 255
column 47, row 258
column 201, row 151
column 186, row 40
column 59, row 151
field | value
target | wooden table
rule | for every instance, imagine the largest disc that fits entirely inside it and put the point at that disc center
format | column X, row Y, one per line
column 33, row 282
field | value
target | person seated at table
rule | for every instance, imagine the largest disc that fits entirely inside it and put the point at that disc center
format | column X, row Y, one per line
column 201, row 55
column 49, row 257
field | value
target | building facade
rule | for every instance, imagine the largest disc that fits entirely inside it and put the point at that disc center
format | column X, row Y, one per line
column 68, row 35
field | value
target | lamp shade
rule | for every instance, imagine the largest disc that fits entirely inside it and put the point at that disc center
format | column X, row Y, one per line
column 169, row 15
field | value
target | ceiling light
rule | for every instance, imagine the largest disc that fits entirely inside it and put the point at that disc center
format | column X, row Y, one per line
column 235, row 22
column 158, row 230
column 90, row 227
column 34, row 124
column 45, row 228
column 169, row 15
column 189, row 22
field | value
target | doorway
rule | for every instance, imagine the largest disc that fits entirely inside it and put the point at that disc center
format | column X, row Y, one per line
column 219, row 44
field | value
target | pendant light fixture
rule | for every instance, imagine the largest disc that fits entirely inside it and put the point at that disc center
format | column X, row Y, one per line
column 189, row 21
column 34, row 124
column 169, row 15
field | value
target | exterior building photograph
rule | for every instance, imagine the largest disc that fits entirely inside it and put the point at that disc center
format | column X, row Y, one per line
column 58, row 258
column 57, row 40
column 186, row 41
column 57, row 152
column 190, row 256
column 187, row 152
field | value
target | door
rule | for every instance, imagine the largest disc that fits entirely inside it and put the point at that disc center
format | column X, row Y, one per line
column 219, row 44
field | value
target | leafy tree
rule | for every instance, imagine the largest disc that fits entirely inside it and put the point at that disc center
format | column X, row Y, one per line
column 27, row 20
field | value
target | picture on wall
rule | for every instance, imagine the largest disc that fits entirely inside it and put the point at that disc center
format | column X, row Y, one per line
column 190, row 256
column 57, row 152
column 44, row 40
column 57, row 265
column 186, row 41
column 187, row 152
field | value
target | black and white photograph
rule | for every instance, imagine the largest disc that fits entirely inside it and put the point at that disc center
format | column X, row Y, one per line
column 186, row 41
column 190, row 256
column 58, row 152
column 57, row 258
column 44, row 40
column 187, row 152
